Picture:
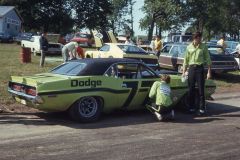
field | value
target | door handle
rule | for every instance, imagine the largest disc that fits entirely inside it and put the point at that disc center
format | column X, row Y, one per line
column 124, row 85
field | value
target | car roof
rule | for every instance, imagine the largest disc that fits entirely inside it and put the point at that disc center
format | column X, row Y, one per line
column 120, row 44
column 97, row 66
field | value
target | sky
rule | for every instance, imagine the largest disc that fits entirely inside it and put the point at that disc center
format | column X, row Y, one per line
column 137, row 15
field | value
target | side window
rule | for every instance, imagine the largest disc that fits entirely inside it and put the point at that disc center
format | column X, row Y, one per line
column 174, row 51
column 105, row 48
column 112, row 72
column 146, row 72
column 127, row 71
column 166, row 49
column 182, row 51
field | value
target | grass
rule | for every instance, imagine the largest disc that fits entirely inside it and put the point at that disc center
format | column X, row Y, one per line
column 10, row 64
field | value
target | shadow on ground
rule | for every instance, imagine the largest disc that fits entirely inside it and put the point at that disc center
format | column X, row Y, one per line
column 215, row 112
column 227, row 77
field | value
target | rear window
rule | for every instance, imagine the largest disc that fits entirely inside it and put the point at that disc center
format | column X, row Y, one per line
column 70, row 69
column 132, row 49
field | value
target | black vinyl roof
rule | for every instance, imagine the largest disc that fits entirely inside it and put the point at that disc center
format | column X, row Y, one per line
column 97, row 66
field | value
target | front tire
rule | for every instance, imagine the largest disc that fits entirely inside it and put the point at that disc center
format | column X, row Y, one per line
column 86, row 109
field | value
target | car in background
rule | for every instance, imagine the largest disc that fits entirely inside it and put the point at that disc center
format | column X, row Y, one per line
column 83, row 39
column 147, row 48
column 54, row 48
column 231, row 46
column 86, row 88
column 120, row 50
column 5, row 37
column 172, row 56
column 23, row 36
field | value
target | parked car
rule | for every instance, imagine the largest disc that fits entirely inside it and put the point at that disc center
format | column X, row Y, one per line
column 147, row 48
column 83, row 39
column 4, row 37
column 172, row 56
column 54, row 48
column 23, row 36
column 120, row 50
column 86, row 88
column 231, row 46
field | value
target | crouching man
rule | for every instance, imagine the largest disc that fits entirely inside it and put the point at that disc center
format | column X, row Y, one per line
column 161, row 93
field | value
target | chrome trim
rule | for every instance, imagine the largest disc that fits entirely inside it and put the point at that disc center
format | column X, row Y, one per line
column 29, row 97
column 33, row 99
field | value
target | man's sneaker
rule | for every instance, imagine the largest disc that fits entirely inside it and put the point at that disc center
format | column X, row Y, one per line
column 158, row 116
column 201, row 112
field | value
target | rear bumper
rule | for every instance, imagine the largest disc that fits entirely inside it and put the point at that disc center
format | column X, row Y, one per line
column 25, row 99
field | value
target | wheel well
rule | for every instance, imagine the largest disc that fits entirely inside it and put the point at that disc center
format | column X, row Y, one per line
column 98, row 98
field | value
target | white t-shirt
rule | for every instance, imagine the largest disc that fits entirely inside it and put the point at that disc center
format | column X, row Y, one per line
column 71, row 46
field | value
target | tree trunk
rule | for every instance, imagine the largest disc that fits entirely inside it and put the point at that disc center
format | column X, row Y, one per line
column 150, row 30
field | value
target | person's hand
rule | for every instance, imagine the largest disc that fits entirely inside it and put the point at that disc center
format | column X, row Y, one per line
column 209, row 76
column 183, row 74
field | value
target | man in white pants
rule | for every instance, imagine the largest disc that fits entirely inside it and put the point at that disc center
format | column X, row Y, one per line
column 69, row 51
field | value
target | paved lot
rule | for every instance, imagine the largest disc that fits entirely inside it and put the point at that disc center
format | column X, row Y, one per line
column 121, row 136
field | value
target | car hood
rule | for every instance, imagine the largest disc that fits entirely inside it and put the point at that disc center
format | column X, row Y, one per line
column 222, row 57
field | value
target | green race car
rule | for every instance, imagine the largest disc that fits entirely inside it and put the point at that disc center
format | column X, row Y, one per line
column 86, row 88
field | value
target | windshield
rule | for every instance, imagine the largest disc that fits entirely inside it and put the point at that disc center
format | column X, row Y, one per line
column 132, row 49
column 216, row 51
column 70, row 69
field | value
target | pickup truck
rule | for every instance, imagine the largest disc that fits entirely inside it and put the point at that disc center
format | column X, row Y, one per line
column 34, row 44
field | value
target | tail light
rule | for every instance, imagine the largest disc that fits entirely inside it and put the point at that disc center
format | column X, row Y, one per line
column 31, row 91
column 23, row 88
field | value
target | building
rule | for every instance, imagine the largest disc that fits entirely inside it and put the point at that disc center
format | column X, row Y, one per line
column 10, row 20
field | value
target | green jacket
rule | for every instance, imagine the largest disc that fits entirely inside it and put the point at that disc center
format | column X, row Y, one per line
column 198, row 55
column 162, row 93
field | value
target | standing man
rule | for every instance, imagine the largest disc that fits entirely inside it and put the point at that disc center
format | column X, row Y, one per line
column 196, row 57
column 158, row 45
column 69, row 51
column 128, row 40
column 43, row 47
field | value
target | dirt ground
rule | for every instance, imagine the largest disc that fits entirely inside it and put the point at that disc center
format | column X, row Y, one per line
column 19, row 108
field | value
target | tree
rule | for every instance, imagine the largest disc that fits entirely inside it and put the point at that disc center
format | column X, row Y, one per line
column 91, row 14
column 164, row 14
column 121, row 18
column 52, row 16
column 214, row 16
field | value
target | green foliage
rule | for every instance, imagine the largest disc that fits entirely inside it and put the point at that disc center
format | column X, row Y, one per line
column 53, row 16
column 165, row 14
column 121, row 18
column 91, row 14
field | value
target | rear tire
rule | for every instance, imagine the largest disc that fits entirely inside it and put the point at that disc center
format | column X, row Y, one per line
column 86, row 109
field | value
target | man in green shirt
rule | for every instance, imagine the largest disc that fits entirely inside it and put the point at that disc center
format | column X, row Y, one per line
column 161, row 93
column 196, row 57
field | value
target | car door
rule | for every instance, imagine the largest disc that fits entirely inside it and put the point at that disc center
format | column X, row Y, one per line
column 173, row 54
column 164, row 58
column 140, row 83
